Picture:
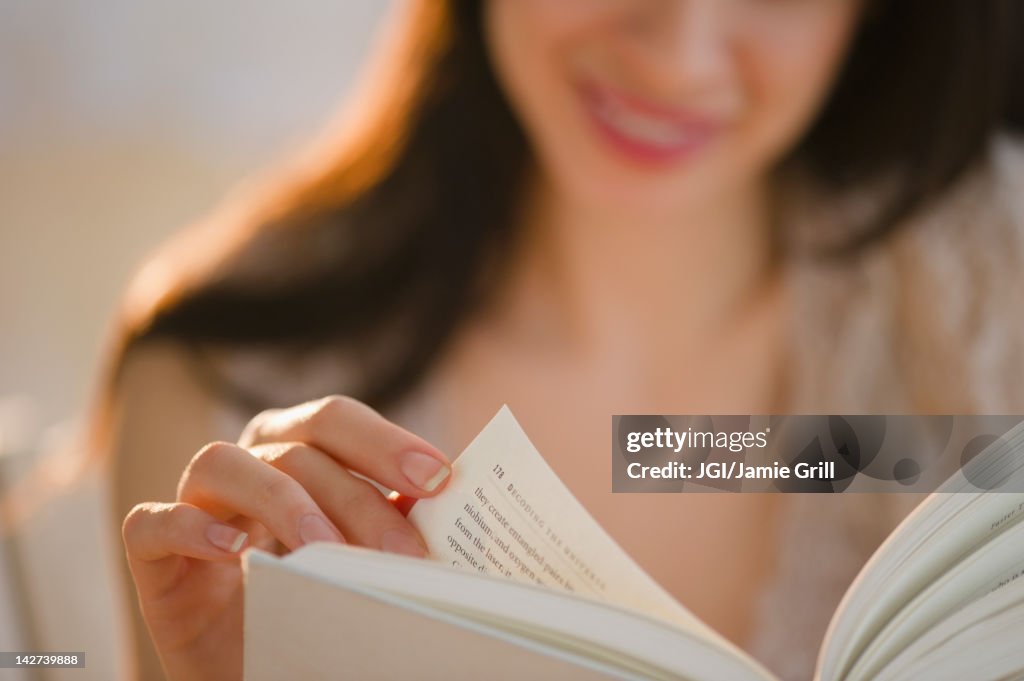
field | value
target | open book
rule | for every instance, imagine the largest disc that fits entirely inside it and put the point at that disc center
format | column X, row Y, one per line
column 526, row 585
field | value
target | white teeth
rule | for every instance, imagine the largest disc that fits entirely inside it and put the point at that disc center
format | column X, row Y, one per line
column 641, row 127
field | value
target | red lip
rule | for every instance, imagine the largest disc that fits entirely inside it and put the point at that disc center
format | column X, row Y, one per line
column 694, row 131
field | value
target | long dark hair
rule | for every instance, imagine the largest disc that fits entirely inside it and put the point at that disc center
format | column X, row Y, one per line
column 396, row 232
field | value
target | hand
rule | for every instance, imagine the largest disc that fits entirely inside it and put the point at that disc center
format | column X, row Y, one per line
column 288, row 482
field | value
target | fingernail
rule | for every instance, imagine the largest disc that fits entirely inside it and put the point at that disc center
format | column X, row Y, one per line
column 424, row 471
column 225, row 537
column 314, row 528
column 400, row 541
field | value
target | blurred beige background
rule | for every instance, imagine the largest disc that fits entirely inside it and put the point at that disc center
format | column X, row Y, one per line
column 121, row 121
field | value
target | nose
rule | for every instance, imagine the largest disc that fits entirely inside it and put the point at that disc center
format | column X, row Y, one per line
column 684, row 44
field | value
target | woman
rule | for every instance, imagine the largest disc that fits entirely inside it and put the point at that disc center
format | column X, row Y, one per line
column 583, row 208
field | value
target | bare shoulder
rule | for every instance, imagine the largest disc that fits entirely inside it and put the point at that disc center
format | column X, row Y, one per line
column 161, row 388
column 1007, row 169
column 147, row 365
column 163, row 413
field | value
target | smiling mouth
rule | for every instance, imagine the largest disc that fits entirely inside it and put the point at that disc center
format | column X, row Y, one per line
column 645, row 131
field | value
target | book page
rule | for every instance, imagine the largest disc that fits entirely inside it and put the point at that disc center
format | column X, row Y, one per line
column 506, row 513
column 941, row 532
column 603, row 636
column 1007, row 601
column 297, row 627
column 990, row 649
column 995, row 565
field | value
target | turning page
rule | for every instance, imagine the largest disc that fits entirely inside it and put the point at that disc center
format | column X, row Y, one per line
column 506, row 513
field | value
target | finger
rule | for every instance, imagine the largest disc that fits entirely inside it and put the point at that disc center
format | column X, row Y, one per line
column 226, row 480
column 357, row 508
column 359, row 438
column 153, row 532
